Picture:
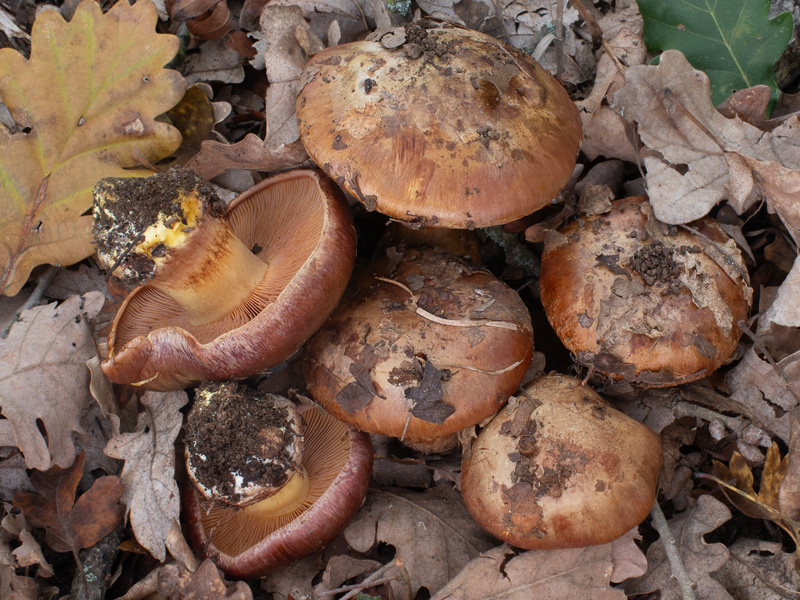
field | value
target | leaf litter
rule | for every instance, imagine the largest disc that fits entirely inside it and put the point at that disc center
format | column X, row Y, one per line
column 420, row 537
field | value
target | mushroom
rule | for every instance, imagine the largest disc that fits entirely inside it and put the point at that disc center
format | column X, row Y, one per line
column 642, row 302
column 239, row 441
column 558, row 467
column 225, row 293
column 423, row 345
column 440, row 126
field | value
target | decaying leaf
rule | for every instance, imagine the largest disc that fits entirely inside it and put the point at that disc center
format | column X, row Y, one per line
column 29, row 552
column 433, row 533
column 553, row 574
column 789, row 496
column 763, row 394
column 760, row 570
column 701, row 559
column 151, row 493
column 81, row 115
column 290, row 42
column 44, row 378
column 736, row 482
column 72, row 525
column 207, row 582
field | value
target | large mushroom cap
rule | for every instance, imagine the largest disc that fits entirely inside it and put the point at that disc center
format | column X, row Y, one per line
column 297, row 232
column 452, row 128
column 265, row 536
column 642, row 302
column 560, row 468
column 423, row 345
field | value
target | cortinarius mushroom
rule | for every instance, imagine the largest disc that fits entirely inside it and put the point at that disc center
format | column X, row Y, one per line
column 642, row 302
column 441, row 126
column 558, row 467
column 230, row 292
column 423, row 345
column 268, row 509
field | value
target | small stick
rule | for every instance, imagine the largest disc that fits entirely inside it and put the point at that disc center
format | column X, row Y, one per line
column 673, row 555
column 687, row 409
column 375, row 579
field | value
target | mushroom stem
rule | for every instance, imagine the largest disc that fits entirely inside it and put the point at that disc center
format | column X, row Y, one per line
column 285, row 500
column 218, row 282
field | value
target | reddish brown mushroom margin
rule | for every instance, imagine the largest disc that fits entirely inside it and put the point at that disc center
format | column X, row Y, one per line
column 153, row 343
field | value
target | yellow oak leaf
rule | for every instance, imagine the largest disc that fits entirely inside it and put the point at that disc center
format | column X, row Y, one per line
column 84, row 106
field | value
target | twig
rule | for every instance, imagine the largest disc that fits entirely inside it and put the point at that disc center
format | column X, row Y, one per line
column 588, row 18
column 91, row 577
column 517, row 252
column 375, row 579
column 559, row 42
column 687, row 409
column 45, row 279
column 673, row 555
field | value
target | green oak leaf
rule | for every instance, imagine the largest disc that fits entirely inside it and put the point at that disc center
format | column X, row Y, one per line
column 733, row 41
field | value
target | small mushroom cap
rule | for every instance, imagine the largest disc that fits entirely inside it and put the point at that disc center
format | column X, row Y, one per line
column 241, row 445
column 258, row 539
column 558, row 467
column 296, row 223
column 452, row 128
column 435, row 346
column 641, row 302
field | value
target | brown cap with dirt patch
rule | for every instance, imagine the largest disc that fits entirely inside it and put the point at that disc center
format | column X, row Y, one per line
column 423, row 345
column 230, row 294
column 642, row 302
column 441, row 127
column 558, row 467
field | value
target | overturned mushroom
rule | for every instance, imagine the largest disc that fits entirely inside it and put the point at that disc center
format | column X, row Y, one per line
column 642, row 302
column 225, row 293
column 268, row 508
column 558, row 467
column 441, row 126
column 423, row 345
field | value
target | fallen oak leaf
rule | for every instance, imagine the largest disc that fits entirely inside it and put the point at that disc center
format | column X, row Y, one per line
column 70, row 524
column 44, row 378
column 151, row 493
column 81, row 115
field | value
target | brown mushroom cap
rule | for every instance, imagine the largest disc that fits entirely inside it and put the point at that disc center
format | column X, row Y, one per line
column 298, row 229
column 424, row 367
column 452, row 128
column 258, row 539
column 560, row 468
column 643, row 303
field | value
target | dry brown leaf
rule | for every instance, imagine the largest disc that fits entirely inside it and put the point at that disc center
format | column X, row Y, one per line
column 290, row 42
column 81, row 116
column 43, row 377
column 765, row 396
column 16, row 587
column 29, row 552
column 605, row 132
column 151, row 493
column 294, row 580
column 177, row 583
column 214, row 62
column 433, row 533
column 72, row 525
column 250, row 153
column 759, row 570
column 789, row 496
column 736, row 482
column 553, row 574
column 701, row 559
column 354, row 20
